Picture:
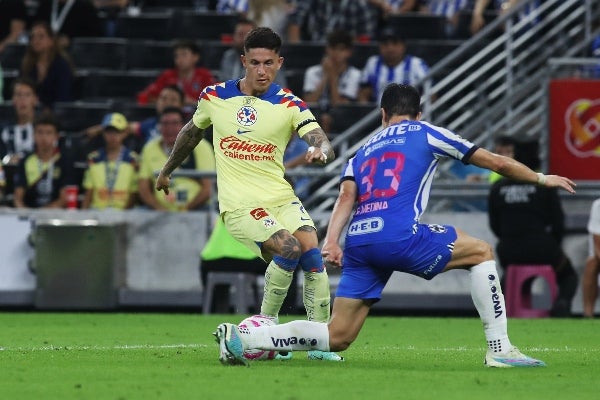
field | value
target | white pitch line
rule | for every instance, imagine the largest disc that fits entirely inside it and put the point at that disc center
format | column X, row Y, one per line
column 104, row 348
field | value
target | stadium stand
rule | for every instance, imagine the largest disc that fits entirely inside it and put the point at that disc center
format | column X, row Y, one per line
column 108, row 53
column 77, row 116
column 102, row 85
column 149, row 54
column 144, row 26
column 204, row 25
column 418, row 26
column 11, row 56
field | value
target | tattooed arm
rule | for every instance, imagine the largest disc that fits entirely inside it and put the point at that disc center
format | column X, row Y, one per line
column 320, row 149
column 188, row 138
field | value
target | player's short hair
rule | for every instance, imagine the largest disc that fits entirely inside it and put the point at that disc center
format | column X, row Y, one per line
column 339, row 38
column 400, row 99
column 262, row 38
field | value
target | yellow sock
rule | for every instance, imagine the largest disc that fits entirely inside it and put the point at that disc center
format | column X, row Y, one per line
column 317, row 298
column 277, row 283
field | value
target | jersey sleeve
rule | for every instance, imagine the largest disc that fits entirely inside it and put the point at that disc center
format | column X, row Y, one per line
column 594, row 221
column 445, row 143
column 201, row 117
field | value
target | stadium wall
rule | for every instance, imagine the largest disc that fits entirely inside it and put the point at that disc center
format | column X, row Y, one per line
column 162, row 257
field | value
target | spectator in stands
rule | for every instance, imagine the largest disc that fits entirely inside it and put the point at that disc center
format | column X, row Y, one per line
column 501, row 7
column 505, row 146
column 17, row 138
column 392, row 65
column 169, row 96
column 231, row 63
column 592, row 264
column 111, row 10
column 595, row 52
column 391, row 7
column 529, row 222
column 48, row 66
column 110, row 180
column 334, row 81
column 1, row 84
column 70, row 19
column 191, row 78
column 447, row 8
column 314, row 19
column 13, row 22
column 43, row 174
column 187, row 193
column 140, row 132
column 270, row 13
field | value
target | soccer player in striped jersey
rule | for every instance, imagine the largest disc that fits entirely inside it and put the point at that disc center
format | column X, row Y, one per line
column 390, row 178
column 253, row 120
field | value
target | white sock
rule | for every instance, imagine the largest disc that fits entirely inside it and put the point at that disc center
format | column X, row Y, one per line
column 294, row 335
column 489, row 301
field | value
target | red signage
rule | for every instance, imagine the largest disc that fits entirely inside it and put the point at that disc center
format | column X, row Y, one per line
column 575, row 129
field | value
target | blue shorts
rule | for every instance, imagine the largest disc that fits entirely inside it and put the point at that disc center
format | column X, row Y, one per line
column 366, row 269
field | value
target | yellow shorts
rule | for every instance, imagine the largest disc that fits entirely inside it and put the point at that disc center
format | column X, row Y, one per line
column 253, row 226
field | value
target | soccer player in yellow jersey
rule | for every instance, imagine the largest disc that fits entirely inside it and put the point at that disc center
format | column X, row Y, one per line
column 253, row 120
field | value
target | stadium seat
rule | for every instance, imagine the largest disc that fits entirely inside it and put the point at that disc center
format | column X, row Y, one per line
column 418, row 26
column 212, row 52
column 136, row 112
column 105, row 85
column 7, row 114
column 295, row 80
column 517, row 293
column 302, row 55
column 144, row 26
column 149, row 54
column 79, row 115
column 244, row 285
column 203, row 25
column 109, row 53
column 12, row 55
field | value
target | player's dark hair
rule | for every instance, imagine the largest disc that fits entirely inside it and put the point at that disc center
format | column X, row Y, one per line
column 399, row 99
column 340, row 38
column 262, row 38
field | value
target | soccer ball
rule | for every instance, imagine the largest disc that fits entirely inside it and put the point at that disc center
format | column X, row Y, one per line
column 256, row 354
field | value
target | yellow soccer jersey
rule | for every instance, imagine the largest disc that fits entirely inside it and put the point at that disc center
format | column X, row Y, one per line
column 182, row 189
column 249, row 137
column 111, row 182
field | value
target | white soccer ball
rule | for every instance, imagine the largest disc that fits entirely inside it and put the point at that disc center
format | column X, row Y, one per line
column 256, row 354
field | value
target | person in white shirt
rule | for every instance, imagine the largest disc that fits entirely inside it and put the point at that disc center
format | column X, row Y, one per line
column 592, row 264
column 334, row 81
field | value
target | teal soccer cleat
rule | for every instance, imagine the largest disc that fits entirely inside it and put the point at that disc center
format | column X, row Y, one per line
column 230, row 345
column 324, row 355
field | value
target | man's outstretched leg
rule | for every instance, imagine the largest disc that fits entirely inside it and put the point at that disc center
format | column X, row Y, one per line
column 317, row 297
column 489, row 301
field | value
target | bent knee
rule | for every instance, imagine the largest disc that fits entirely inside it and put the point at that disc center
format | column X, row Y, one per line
column 338, row 343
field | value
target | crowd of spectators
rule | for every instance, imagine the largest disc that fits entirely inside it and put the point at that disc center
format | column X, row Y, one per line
column 47, row 75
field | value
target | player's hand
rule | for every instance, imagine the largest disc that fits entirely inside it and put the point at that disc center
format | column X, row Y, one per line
column 163, row 182
column 315, row 155
column 561, row 182
column 332, row 254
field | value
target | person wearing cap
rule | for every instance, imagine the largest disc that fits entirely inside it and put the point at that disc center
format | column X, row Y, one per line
column 110, row 180
column 189, row 193
column 391, row 65
column 42, row 175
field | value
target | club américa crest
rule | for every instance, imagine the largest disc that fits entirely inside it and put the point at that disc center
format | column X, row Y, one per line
column 246, row 115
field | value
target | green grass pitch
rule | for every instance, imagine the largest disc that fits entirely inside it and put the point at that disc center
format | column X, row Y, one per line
column 173, row 356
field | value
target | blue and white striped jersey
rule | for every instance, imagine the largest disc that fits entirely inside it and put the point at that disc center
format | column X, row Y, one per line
column 393, row 172
column 378, row 75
